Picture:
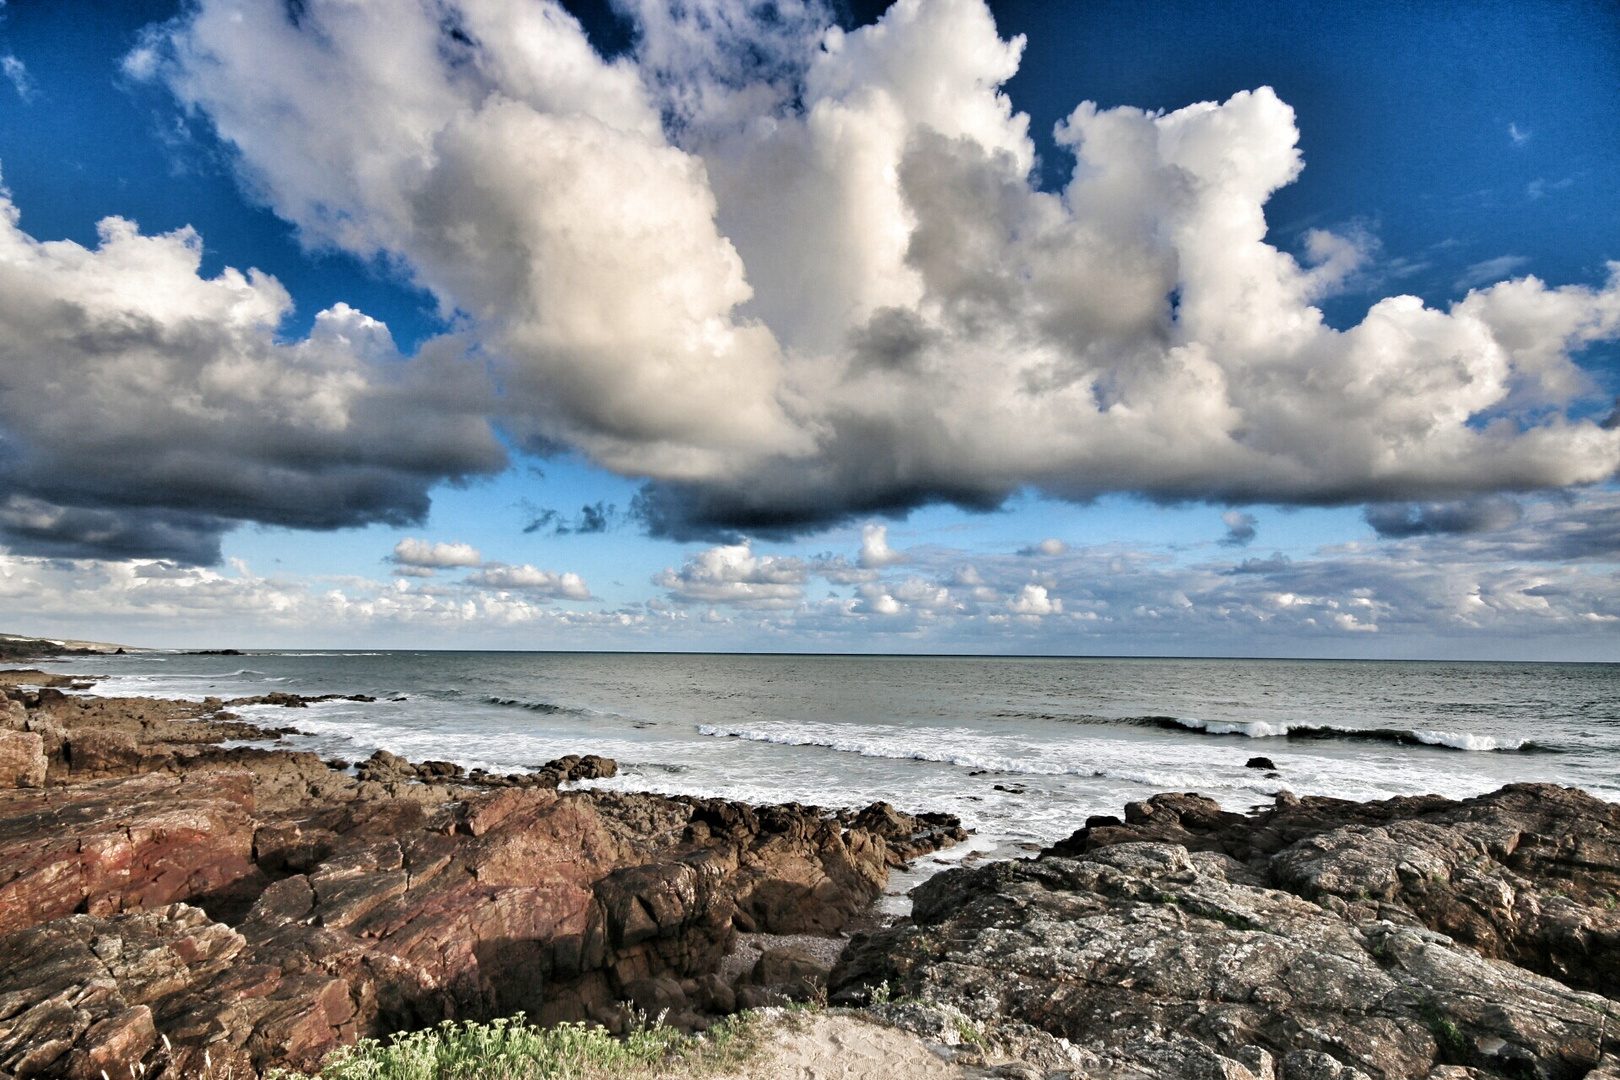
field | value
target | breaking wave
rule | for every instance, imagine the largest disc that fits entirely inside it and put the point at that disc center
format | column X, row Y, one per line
column 1260, row 729
column 938, row 750
column 544, row 708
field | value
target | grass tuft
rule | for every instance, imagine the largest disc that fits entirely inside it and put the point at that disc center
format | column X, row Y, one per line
column 1452, row 1042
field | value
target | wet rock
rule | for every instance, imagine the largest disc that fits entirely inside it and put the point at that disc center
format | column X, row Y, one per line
column 1259, row 763
column 906, row 836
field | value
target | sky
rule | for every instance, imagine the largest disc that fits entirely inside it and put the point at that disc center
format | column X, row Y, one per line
column 1261, row 329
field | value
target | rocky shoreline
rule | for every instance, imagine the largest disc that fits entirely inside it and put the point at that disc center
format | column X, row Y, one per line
column 173, row 906
column 176, row 904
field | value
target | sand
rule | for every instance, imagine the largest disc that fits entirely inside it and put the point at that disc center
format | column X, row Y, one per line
column 821, row 1046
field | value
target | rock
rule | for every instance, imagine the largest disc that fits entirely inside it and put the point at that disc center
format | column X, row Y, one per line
column 656, row 998
column 792, row 972
column 102, row 753
column 263, row 907
column 83, row 992
column 22, row 759
column 1259, row 763
column 1529, row 873
column 1314, row 940
column 385, row 766
column 1116, row 947
column 113, row 1046
column 907, row 837
column 13, row 715
column 124, row 844
column 714, row 994
column 1316, row 1065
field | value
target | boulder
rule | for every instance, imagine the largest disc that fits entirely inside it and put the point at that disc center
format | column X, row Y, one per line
column 791, row 972
column 22, row 759
column 97, row 752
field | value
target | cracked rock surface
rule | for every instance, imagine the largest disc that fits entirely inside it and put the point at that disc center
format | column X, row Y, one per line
column 1310, row 941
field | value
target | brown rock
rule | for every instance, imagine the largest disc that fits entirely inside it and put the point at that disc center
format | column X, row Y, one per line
column 121, row 845
column 791, row 972
column 112, row 1047
column 102, row 753
column 362, row 905
column 22, row 759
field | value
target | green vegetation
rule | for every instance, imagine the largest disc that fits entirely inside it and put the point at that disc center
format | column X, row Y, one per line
column 1453, row 1043
column 970, row 1034
column 511, row 1049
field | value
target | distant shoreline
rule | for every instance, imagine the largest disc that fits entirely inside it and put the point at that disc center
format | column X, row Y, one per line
column 67, row 647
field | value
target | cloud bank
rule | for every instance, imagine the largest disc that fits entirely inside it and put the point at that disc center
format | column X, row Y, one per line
column 145, row 410
column 1541, row 588
column 787, row 273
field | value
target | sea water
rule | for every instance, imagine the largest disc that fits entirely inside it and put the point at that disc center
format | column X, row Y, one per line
column 1023, row 749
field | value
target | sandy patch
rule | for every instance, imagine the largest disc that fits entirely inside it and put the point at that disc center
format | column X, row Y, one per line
column 819, row 1046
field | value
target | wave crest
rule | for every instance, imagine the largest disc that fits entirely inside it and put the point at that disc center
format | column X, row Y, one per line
column 1260, row 729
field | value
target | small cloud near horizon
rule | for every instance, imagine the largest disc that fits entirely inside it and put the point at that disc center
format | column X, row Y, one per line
column 424, row 555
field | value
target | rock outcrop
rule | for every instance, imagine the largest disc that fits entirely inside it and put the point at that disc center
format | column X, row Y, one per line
column 171, row 905
column 1303, row 942
column 1529, row 874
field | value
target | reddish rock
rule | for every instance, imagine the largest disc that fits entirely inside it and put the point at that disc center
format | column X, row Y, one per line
column 361, row 905
column 122, row 845
column 114, row 1046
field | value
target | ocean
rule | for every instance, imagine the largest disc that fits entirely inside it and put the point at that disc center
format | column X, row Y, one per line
column 1023, row 749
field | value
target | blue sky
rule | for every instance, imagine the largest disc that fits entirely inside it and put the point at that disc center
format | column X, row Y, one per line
column 1445, row 148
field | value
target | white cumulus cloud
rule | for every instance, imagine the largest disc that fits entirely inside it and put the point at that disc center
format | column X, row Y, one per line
column 421, row 553
column 795, row 275
column 875, row 549
column 535, row 582
column 733, row 574
column 1033, row 600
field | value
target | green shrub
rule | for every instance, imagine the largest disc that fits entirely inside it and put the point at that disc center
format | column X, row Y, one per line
column 511, row 1049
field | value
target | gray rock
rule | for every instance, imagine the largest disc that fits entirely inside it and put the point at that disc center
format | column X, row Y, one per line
column 1150, row 957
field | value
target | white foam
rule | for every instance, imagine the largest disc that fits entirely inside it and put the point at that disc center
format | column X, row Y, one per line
column 1260, row 729
column 1458, row 741
column 1254, row 729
